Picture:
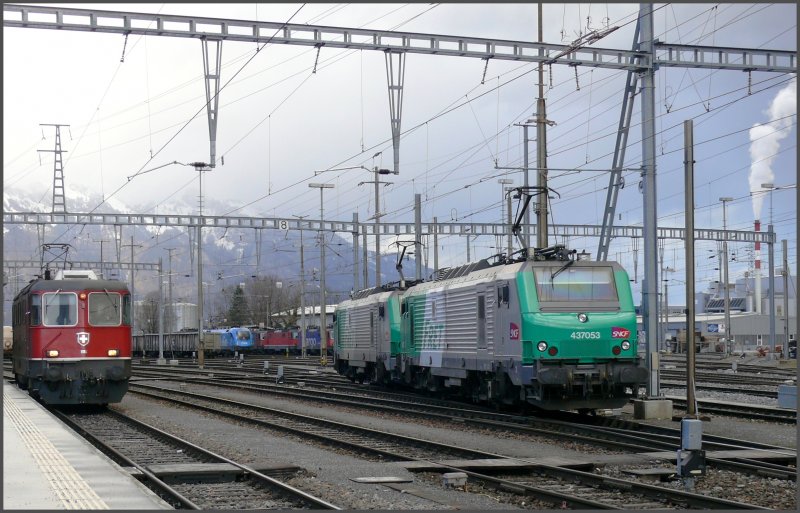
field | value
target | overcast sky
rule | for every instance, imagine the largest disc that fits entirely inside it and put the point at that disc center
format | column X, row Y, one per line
column 279, row 122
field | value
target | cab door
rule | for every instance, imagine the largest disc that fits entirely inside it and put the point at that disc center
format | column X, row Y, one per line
column 504, row 329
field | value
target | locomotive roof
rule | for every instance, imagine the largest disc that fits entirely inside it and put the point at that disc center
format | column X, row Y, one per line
column 76, row 284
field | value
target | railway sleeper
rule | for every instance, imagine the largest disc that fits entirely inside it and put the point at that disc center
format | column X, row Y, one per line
column 174, row 473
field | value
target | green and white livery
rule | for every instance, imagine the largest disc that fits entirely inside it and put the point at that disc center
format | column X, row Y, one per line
column 557, row 334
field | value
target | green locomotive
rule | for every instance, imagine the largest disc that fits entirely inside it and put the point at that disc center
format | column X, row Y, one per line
column 553, row 332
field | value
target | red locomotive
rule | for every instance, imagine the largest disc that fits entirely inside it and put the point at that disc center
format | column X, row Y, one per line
column 72, row 338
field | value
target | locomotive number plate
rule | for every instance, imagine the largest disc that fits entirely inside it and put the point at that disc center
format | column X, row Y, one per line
column 578, row 335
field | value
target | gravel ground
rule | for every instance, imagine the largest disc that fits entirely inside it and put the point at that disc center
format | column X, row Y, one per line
column 782, row 435
column 772, row 493
column 328, row 471
column 732, row 395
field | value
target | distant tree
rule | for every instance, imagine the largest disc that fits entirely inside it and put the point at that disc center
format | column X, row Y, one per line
column 268, row 298
column 146, row 313
column 239, row 313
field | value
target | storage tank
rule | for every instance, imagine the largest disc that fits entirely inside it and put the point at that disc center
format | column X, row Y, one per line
column 185, row 316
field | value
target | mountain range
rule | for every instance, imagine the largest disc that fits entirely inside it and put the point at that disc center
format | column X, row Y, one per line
column 230, row 257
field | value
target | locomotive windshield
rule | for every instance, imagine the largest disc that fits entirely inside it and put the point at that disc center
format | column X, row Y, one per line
column 104, row 309
column 60, row 308
column 559, row 284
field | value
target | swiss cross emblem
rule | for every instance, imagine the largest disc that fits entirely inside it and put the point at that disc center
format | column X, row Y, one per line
column 83, row 338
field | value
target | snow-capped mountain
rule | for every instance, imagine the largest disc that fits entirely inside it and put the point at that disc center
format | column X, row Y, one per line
column 229, row 256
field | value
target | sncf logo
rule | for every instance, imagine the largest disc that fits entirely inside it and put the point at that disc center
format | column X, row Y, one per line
column 83, row 338
column 617, row 332
column 513, row 332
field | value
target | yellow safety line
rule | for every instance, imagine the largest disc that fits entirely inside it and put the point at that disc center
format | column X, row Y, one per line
column 65, row 481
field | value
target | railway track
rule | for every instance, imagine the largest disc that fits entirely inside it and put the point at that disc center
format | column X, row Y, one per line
column 324, row 382
column 747, row 411
column 184, row 474
column 618, row 435
column 771, row 394
column 546, row 482
column 718, row 377
column 389, row 446
column 718, row 366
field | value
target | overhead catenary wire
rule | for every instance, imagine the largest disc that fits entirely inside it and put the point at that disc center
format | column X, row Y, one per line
column 471, row 107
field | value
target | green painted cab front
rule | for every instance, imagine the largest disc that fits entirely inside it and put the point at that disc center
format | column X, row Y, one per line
column 582, row 313
column 395, row 324
column 413, row 324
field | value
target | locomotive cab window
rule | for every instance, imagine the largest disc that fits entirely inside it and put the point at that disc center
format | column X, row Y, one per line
column 104, row 309
column 60, row 308
column 503, row 294
column 559, row 285
column 36, row 311
column 126, row 309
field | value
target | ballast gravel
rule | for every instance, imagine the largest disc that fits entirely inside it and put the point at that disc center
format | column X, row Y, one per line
column 328, row 471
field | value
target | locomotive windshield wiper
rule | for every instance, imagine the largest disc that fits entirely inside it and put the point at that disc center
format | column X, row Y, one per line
column 569, row 263
column 50, row 301
column 113, row 303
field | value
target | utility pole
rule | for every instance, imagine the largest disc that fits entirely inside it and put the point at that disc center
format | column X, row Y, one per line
column 59, row 199
column 666, row 302
column 377, row 182
column 200, row 167
column 541, row 154
column 771, row 250
column 688, row 162
column 101, row 241
column 355, row 253
column 507, row 206
column 302, row 291
column 161, row 360
column 650, row 221
column 728, row 330
column 171, row 310
column 785, row 274
column 133, row 286
column 323, row 328
column 435, row 245
column 417, row 239
column 526, row 229
column 661, row 313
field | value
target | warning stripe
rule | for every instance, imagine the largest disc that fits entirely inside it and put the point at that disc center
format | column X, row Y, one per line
column 64, row 480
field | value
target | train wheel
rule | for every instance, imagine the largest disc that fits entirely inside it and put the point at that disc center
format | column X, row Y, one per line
column 22, row 383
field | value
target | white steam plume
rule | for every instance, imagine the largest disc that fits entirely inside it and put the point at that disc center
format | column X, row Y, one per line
column 765, row 140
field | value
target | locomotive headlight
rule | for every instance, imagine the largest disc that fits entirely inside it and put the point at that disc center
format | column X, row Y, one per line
column 52, row 353
column 582, row 317
column 542, row 346
column 626, row 345
column 113, row 352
